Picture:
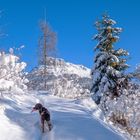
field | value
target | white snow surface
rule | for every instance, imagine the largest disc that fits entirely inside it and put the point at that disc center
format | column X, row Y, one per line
column 72, row 119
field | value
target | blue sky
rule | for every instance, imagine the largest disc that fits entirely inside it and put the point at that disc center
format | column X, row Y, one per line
column 73, row 21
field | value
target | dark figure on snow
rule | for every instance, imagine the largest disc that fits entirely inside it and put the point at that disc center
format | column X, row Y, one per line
column 44, row 114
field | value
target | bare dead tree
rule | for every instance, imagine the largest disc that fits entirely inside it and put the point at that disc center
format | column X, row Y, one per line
column 47, row 43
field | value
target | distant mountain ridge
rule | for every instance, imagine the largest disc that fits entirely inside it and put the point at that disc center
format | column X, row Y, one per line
column 63, row 79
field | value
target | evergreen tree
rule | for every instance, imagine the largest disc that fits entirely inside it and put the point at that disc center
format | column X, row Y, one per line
column 109, row 64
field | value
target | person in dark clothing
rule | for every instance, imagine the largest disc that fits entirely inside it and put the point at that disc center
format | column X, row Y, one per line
column 44, row 114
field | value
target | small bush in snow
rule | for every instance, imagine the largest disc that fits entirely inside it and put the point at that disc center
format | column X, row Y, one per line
column 11, row 73
column 123, row 111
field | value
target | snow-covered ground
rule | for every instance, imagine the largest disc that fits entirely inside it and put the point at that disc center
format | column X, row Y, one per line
column 72, row 119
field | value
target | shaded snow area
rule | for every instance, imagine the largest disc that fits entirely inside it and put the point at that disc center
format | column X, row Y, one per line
column 72, row 119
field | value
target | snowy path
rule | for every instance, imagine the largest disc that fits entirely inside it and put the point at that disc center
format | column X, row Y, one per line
column 71, row 120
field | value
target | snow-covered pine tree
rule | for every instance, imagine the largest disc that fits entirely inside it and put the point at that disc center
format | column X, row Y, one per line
column 109, row 64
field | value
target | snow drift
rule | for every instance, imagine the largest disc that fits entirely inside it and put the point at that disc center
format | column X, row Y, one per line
column 72, row 119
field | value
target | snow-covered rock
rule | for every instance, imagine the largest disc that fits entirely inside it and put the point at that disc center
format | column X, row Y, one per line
column 63, row 79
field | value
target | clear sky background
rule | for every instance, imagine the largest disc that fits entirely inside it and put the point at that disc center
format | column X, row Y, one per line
column 73, row 21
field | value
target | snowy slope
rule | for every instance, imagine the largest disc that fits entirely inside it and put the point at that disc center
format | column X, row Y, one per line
column 63, row 79
column 72, row 119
